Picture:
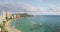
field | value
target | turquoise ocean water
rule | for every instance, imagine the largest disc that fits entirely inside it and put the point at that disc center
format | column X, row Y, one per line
column 44, row 23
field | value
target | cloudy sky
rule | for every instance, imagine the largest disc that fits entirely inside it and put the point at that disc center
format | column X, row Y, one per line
column 38, row 7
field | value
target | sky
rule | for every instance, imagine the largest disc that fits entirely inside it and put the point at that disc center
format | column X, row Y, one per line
column 38, row 7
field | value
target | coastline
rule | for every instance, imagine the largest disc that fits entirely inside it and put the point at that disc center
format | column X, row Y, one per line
column 9, row 28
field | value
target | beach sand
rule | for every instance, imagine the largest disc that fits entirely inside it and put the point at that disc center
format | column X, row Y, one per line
column 9, row 28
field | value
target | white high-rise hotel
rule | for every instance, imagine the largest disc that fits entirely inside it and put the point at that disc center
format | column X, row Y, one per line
column 4, row 15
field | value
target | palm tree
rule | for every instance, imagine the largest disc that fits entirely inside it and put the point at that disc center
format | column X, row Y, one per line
column 4, row 23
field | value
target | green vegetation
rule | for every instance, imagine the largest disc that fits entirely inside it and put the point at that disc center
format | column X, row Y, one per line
column 3, row 30
column 2, row 26
column 4, row 23
column 26, row 15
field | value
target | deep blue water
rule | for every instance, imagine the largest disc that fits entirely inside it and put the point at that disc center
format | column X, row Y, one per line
column 44, row 23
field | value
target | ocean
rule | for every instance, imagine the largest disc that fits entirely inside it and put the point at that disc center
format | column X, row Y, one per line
column 42, row 23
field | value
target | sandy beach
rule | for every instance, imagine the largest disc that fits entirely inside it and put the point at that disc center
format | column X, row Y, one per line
column 9, row 28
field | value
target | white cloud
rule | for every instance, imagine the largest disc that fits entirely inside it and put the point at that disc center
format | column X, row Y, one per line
column 31, row 9
column 19, row 7
column 54, row 8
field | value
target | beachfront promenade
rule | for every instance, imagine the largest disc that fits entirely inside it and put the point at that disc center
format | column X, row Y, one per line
column 5, row 20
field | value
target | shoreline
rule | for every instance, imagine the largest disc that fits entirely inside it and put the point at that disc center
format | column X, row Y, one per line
column 9, row 28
